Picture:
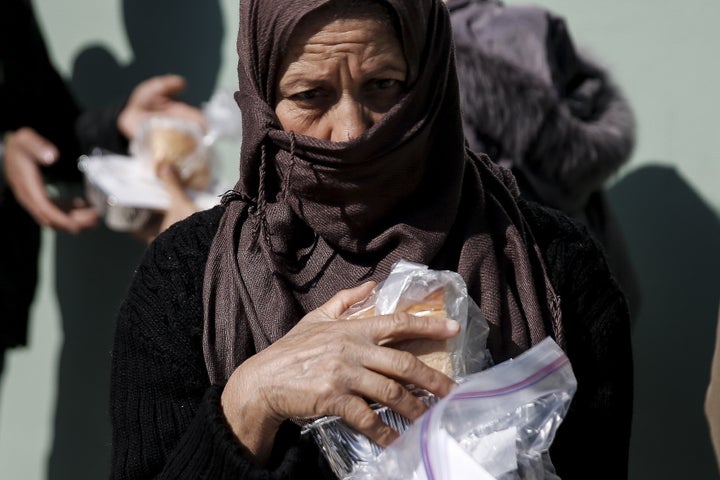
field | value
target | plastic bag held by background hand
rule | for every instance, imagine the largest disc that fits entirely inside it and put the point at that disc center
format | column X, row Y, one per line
column 126, row 189
column 185, row 144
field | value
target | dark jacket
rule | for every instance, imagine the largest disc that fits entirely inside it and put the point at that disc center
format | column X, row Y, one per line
column 168, row 423
column 32, row 94
column 536, row 105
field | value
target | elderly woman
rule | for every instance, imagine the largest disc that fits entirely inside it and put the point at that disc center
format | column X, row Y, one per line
column 353, row 158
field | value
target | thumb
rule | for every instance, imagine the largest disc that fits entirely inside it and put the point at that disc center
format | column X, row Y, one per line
column 344, row 299
column 37, row 147
column 170, row 85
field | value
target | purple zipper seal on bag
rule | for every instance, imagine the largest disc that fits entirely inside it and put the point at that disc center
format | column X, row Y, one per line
column 536, row 377
column 424, row 432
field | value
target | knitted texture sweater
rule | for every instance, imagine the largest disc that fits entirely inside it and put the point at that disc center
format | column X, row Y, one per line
column 166, row 416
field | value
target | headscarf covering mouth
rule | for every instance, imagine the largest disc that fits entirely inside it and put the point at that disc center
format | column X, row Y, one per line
column 311, row 217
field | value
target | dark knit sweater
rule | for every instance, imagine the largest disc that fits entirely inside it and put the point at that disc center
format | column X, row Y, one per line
column 167, row 421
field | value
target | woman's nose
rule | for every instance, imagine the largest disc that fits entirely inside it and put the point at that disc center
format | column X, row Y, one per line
column 351, row 120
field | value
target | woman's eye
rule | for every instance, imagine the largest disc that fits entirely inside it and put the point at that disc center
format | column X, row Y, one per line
column 307, row 95
column 385, row 83
column 383, row 93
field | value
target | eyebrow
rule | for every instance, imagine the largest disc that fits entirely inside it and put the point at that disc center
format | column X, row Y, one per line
column 292, row 78
column 386, row 69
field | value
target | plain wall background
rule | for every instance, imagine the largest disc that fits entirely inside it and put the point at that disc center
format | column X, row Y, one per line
column 666, row 200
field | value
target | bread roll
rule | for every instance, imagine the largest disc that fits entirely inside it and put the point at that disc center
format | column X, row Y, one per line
column 434, row 353
column 169, row 145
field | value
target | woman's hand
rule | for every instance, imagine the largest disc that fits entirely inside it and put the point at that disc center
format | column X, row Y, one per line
column 325, row 366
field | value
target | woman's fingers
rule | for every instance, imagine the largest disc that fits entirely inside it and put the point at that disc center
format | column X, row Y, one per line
column 384, row 329
column 325, row 366
column 375, row 332
column 400, row 365
column 392, row 328
column 407, row 369
column 383, row 390
column 356, row 412
column 344, row 299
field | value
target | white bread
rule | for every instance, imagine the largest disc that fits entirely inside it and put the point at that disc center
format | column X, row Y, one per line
column 434, row 353
column 169, row 145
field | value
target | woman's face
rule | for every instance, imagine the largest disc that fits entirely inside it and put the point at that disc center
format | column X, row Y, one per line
column 339, row 77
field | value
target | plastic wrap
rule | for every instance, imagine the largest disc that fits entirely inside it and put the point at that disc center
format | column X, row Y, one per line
column 126, row 189
column 415, row 289
column 345, row 448
column 178, row 142
column 497, row 424
column 126, row 195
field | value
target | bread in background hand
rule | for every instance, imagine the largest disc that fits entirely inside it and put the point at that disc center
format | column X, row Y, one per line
column 169, row 145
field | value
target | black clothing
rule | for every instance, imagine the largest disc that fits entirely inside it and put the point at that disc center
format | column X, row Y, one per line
column 32, row 94
column 96, row 129
column 310, row 216
column 166, row 415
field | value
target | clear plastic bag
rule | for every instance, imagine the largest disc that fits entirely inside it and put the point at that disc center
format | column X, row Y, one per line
column 126, row 189
column 223, row 118
column 414, row 288
column 176, row 141
column 185, row 144
column 498, row 424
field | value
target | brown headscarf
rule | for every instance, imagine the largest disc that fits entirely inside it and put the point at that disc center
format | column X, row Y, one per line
column 310, row 217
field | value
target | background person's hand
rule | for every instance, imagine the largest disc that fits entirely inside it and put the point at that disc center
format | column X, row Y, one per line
column 156, row 96
column 328, row 367
column 181, row 205
column 25, row 152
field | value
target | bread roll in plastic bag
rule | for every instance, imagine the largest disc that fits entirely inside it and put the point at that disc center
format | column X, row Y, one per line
column 418, row 290
column 415, row 289
column 174, row 141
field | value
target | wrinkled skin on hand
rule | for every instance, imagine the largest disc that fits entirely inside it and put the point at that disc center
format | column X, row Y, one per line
column 325, row 366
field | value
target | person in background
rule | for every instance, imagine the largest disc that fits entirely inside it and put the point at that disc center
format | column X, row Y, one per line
column 42, row 132
column 353, row 157
column 712, row 397
column 535, row 104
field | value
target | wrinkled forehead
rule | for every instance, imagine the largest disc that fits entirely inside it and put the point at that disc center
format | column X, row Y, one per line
column 266, row 27
column 372, row 11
